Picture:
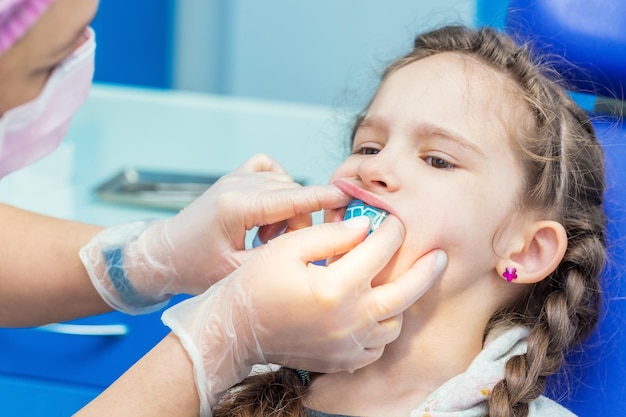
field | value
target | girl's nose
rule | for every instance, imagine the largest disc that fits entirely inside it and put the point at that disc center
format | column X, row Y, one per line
column 379, row 172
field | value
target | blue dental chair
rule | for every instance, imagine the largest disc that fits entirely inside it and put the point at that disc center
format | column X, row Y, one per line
column 591, row 37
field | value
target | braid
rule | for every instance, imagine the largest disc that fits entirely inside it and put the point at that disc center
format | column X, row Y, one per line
column 272, row 394
column 562, row 309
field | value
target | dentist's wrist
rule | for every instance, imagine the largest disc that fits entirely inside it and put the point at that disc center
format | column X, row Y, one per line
column 130, row 266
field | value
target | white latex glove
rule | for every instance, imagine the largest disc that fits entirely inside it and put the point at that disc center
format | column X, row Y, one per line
column 137, row 267
column 280, row 308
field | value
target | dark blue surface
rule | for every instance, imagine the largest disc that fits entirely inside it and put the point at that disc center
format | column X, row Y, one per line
column 94, row 361
column 134, row 42
column 596, row 377
column 33, row 397
column 590, row 35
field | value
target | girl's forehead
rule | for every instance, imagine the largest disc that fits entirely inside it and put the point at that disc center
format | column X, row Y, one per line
column 456, row 77
column 452, row 90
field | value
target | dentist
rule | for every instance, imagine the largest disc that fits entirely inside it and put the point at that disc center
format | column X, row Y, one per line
column 55, row 270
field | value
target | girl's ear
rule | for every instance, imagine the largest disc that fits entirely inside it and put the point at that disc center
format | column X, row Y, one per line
column 543, row 249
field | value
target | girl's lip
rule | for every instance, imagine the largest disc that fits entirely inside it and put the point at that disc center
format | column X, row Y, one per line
column 357, row 192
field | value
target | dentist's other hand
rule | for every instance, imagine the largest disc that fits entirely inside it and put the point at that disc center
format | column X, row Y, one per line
column 137, row 267
column 258, row 193
column 280, row 308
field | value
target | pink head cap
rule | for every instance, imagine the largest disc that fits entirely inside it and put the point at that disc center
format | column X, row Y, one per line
column 16, row 17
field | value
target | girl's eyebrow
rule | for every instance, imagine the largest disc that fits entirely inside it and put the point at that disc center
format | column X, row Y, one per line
column 429, row 129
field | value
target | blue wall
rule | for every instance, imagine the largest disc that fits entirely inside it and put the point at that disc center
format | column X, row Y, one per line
column 134, row 41
column 318, row 52
column 303, row 52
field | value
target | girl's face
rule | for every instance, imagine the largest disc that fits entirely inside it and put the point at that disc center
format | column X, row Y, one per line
column 434, row 150
column 25, row 67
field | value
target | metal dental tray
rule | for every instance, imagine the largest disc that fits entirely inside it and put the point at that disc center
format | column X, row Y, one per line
column 154, row 189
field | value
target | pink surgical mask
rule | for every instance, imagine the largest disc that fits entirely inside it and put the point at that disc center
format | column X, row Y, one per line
column 34, row 129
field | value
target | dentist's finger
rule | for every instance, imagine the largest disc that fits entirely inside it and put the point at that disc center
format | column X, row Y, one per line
column 261, row 162
column 323, row 240
column 394, row 297
column 362, row 264
column 270, row 231
column 362, row 359
column 381, row 333
column 288, row 202
column 293, row 201
column 299, row 221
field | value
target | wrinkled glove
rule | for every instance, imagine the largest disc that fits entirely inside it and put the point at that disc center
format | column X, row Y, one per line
column 280, row 308
column 137, row 267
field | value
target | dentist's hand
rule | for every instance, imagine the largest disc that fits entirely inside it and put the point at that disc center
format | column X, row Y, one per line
column 137, row 267
column 280, row 308
column 209, row 235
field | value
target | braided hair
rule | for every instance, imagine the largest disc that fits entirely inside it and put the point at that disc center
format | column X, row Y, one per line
column 563, row 166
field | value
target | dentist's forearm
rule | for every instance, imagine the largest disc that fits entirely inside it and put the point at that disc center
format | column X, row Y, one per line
column 160, row 384
column 42, row 279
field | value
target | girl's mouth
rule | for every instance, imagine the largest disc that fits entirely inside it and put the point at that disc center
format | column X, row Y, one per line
column 359, row 208
column 359, row 193
column 363, row 203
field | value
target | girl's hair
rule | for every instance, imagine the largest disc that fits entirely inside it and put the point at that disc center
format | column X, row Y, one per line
column 564, row 178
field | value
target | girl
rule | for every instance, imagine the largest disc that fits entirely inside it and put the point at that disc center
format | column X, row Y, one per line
column 479, row 152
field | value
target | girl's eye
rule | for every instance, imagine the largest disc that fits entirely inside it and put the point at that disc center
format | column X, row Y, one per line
column 438, row 163
column 364, row 150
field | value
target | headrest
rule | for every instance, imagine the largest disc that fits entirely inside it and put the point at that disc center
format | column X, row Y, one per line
column 590, row 35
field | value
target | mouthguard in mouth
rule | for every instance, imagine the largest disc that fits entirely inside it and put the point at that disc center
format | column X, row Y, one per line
column 355, row 208
column 359, row 208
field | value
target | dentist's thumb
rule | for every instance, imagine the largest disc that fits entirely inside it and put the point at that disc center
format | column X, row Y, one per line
column 324, row 240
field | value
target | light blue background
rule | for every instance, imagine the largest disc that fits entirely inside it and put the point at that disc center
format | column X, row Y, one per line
column 326, row 52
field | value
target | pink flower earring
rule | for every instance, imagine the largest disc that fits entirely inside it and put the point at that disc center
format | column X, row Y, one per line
column 510, row 274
